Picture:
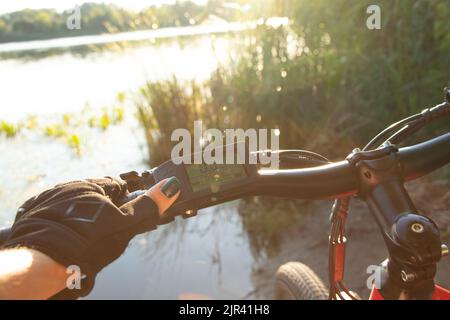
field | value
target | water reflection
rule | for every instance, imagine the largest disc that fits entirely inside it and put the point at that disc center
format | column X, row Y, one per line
column 196, row 256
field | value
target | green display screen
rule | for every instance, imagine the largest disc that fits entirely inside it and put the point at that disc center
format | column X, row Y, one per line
column 212, row 176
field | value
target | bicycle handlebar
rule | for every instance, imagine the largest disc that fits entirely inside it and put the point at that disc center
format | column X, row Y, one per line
column 339, row 179
column 336, row 179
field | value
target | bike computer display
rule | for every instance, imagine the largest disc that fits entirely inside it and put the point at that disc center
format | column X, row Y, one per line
column 212, row 176
column 204, row 185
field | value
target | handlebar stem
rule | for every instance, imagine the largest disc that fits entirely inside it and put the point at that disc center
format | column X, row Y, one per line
column 412, row 240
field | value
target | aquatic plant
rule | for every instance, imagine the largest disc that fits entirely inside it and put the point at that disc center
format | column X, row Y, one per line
column 73, row 141
column 55, row 130
column 105, row 120
column 9, row 129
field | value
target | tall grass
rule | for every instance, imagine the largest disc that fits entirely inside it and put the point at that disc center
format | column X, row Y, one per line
column 166, row 106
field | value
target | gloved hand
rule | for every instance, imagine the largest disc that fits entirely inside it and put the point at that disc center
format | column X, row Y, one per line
column 80, row 223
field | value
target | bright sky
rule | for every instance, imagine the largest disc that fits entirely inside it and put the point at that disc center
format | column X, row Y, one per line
column 60, row 5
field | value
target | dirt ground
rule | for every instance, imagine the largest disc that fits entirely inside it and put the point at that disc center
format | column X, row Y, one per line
column 308, row 243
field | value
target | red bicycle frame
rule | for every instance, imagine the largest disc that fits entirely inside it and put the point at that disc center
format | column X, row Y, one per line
column 439, row 293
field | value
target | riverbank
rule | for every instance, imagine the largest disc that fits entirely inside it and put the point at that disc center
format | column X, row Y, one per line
column 125, row 37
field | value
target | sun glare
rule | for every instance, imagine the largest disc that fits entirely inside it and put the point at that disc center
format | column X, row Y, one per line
column 13, row 260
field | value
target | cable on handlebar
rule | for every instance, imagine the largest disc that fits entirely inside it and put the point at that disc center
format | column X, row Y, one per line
column 427, row 116
column 409, row 125
column 293, row 159
column 379, row 138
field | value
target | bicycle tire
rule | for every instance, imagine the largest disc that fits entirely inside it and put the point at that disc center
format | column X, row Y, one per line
column 296, row 281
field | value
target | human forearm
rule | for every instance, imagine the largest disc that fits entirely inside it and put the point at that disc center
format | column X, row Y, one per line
column 29, row 274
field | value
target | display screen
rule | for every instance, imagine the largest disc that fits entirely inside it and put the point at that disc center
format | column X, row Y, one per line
column 212, row 176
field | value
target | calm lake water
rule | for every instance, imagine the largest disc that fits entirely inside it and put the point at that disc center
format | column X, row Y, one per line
column 67, row 82
column 189, row 257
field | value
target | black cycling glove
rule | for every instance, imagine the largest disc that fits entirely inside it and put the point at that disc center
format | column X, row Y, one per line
column 79, row 223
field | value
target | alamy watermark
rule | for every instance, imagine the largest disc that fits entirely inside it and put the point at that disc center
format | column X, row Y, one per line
column 74, row 280
column 373, row 22
column 374, row 280
column 231, row 146
column 73, row 22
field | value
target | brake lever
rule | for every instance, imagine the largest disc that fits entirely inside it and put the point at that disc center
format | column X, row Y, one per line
column 137, row 184
column 136, row 181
